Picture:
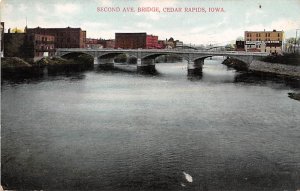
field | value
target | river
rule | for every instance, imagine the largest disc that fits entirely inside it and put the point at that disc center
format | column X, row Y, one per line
column 116, row 130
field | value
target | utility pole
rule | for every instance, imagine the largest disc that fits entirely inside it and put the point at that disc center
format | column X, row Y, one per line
column 296, row 41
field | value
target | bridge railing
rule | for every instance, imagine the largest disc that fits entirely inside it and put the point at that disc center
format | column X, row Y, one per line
column 182, row 51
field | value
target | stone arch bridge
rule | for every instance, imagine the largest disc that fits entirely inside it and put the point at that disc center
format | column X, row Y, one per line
column 146, row 57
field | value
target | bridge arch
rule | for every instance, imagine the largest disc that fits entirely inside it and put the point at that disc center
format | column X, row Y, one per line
column 66, row 54
column 202, row 57
column 111, row 55
column 156, row 55
column 246, row 61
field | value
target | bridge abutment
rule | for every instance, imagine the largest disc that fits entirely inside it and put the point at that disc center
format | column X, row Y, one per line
column 96, row 60
column 105, row 63
column 146, row 65
column 195, row 67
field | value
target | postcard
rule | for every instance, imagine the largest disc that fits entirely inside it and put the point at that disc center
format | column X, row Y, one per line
column 156, row 95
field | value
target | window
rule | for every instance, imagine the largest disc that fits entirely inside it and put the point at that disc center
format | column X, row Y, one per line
column 278, row 35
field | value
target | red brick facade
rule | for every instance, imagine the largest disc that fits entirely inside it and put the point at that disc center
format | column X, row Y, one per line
column 130, row 40
column 64, row 37
column 152, row 42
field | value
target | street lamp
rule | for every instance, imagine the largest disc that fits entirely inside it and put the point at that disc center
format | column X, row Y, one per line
column 296, row 41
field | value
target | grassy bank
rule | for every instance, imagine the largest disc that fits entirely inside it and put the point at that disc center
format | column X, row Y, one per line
column 13, row 67
column 287, row 58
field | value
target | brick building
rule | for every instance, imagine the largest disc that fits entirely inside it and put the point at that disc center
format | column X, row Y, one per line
column 136, row 40
column 130, row 40
column 28, row 46
column 64, row 37
column 151, row 42
column 161, row 44
column 264, row 41
column 110, row 43
column 94, row 43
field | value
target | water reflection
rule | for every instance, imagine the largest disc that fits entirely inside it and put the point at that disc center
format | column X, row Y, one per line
column 281, row 81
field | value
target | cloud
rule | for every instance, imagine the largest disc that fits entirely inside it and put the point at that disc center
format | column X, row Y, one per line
column 40, row 8
column 66, row 9
column 22, row 8
column 285, row 24
column 143, row 25
column 105, row 3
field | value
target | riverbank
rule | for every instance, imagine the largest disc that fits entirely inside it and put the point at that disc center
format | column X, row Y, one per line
column 286, row 59
column 14, row 67
column 236, row 64
column 295, row 96
column 275, row 68
column 262, row 67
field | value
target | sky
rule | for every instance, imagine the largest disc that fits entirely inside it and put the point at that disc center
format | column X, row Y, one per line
column 189, row 27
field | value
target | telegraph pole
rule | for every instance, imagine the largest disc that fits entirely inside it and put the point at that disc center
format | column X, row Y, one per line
column 296, row 41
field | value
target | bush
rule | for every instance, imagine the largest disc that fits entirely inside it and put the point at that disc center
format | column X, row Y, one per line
column 287, row 58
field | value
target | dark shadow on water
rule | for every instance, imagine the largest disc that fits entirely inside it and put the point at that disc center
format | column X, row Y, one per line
column 69, row 76
column 263, row 79
column 126, row 69
column 195, row 77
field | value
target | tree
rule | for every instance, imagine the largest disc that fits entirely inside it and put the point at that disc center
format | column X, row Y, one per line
column 16, row 30
column 292, row 40
column 240, row 38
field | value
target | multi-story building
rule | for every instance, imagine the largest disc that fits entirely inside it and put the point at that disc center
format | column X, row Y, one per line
column 178, row 44
column 64, row 37
column 94, row 43
column 110, row 43
column 130, row 40
column 28, row 46
column 151, row 42
column 264, row 41
column 161, row 44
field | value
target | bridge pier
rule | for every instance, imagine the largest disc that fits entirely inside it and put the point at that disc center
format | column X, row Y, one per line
column 106, row 63
column 146, row 65
column 96, row 60
column 195, row 67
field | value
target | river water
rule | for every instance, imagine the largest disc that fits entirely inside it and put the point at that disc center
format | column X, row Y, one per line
column 114, row 130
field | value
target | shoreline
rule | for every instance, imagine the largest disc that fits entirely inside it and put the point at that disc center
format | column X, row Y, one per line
column 14, row 67
column 275, row 69
column 267, row 68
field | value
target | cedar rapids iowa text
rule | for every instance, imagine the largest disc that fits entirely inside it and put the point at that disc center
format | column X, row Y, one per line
column 164, row 9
